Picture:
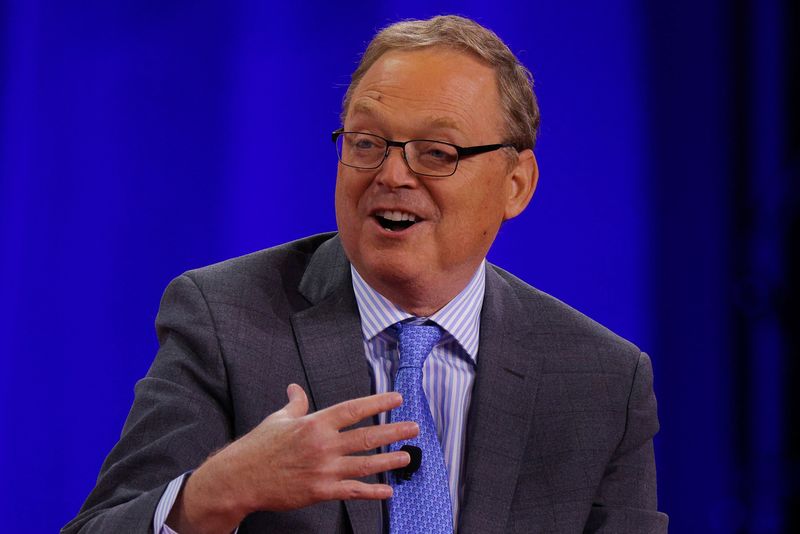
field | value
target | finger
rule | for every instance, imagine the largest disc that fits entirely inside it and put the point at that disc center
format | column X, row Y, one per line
column 349, row 467
column 373, row 437
column 298, row 401
column 351, row 412
column 354, row 489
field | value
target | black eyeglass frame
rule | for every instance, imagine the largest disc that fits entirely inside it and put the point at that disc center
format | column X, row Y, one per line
column 462, row 151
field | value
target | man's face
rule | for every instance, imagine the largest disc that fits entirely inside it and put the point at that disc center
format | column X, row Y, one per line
column 440, row 94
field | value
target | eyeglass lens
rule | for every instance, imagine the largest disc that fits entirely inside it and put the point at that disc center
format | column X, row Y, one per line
column 366, row 151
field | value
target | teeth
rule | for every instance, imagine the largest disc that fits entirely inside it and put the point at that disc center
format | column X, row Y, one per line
column 397, row 216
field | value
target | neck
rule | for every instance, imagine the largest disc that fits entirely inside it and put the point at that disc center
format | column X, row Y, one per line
column 419, row 303
column 420, row 298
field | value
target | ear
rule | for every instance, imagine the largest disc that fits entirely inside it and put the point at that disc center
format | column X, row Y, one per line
column 521, row 183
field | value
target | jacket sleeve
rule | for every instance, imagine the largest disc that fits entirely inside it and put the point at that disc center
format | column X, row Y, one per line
column 181, row 413
column 626, row 499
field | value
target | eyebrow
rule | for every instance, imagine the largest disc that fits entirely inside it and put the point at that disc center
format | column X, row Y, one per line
column 442, row 122
column 362, row 107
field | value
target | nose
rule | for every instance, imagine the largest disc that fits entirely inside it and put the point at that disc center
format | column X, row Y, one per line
column 394, row 172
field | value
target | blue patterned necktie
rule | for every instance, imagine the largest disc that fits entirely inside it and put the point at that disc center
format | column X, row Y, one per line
column 421, row 504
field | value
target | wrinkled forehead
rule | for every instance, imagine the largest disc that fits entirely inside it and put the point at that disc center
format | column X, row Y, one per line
column 368, row 107
column 442, row 87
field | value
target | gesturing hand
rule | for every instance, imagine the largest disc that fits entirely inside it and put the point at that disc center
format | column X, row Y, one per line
column 293, row 459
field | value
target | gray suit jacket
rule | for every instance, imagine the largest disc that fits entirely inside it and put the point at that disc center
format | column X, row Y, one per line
column 559, row 431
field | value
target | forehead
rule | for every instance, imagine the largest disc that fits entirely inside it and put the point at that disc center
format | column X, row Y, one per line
column 434, row 88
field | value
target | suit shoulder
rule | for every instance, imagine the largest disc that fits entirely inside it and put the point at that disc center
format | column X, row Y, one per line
column 547, row 316
column 264, row 279
column 285, row 262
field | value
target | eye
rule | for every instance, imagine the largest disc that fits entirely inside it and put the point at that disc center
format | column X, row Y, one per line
column 364, row 142
column 436, row 153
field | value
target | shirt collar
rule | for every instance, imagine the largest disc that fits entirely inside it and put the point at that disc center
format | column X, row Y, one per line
column 460, row 317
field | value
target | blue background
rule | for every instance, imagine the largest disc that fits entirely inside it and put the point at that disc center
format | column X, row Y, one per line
column 142, row 139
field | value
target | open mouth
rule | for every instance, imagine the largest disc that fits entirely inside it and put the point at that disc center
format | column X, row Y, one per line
column 395, row 221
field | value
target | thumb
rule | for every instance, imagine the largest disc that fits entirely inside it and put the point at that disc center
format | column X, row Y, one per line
column 298, row 401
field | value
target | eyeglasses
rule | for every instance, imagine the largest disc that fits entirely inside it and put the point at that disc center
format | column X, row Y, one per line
column 423, row 156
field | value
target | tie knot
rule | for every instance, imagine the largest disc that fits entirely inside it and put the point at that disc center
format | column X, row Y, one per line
column 416, row 342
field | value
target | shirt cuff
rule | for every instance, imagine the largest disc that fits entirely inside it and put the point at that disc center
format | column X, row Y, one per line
column 165, row 505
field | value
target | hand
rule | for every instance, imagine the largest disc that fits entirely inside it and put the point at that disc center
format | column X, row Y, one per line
column 293, row 459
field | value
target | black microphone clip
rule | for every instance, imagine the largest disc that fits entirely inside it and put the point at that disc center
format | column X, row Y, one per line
column 404, row 473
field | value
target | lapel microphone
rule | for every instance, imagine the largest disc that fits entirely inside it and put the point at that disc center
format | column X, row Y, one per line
column 405, row 473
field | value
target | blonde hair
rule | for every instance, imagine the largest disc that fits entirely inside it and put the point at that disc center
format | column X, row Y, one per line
column 514, row 81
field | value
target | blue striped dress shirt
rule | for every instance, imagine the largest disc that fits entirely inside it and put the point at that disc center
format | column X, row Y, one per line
column 448, row 373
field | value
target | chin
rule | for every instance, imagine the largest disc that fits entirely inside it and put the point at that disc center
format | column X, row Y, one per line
column 392, row 271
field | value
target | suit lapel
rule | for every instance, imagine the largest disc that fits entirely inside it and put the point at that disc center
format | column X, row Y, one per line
column 328, row 335
column 501, row 409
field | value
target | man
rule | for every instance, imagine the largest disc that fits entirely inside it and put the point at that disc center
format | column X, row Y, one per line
column 543, row 419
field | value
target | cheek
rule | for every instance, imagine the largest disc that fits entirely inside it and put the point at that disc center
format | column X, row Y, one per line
column 479, row 210
column 345, row 208
column 338, row 202
column 465, row 231
column 346, row 222
column 474, row 222
column 346, row 196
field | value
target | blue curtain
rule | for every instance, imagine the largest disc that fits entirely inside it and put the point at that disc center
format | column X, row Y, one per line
column 142, row 139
